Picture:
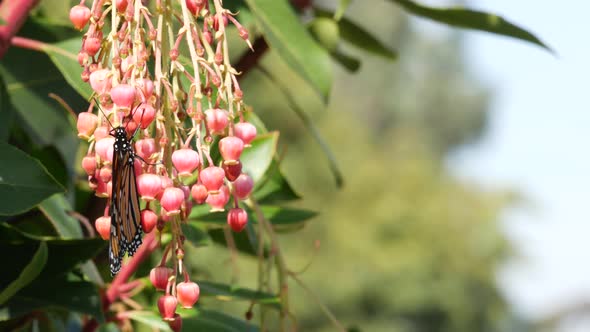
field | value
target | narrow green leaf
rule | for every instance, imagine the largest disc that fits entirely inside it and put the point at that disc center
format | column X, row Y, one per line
column 342, row 6
column 359, row 37
column 352, row 64
column 150, row 319
column 471, row 19
column 28, row 274
column 56, row 209
column 274, row 187
column 225, row 292
column 214, row 321
column 64, row 56
column 289, row 38
column 280, row 217
column 311, row 127
column 24, row 182
column 77, row 296
column 257, row 158
column 6, row 112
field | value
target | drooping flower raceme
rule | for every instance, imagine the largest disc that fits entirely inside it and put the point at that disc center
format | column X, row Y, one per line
column 179, row 107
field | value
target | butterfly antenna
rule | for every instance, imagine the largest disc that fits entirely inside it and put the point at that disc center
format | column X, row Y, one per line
column 103, row 113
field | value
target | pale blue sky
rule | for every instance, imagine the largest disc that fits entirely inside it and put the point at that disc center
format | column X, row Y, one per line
column 538, row 142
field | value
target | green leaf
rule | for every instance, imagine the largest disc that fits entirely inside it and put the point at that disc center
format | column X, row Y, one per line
column 257, row 158
column 274, row 187
column 311, row 127
column 67, row 254
column 352, row 64
column 214, row 321
column 289, row 38
column 56, row 209
column 76, row 296
column 24, row 182
column 28, row 274
column 471, row 19
column 282, row 218
column 150, row 319
column 225, row 292
column 30, row 78
column 6, row 112
column 64, row 55
column 359, row 37
column 195, row 234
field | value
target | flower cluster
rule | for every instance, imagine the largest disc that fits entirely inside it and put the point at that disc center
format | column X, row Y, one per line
column 180, row 108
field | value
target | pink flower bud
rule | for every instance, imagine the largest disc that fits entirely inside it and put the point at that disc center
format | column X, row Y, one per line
column 212, row 178
column 123, row 95
column 172, row 199
column 185, row 161
column 89, row 164
column 233, row 170
column 237, row 219
column 167, row 306
column 102, row 189
column 145, row 148
column 103, row 227
column 100, row 81
column 86, row 124
column 159, row 277
column 216, row 119
column 146, row 87
column 231, row 148
column 149, row 219
column 92, row 45
column 121, row 5
column 219, row 200
column 192, row 6
column 105, row 173
column 187, row 294
column 104, row 148
column 79, row 15
column 149, row 186
column 176, row 323
column 243, row 186
column 199, row 193
column 144, row 115
column 245, row 131
column 100, row 133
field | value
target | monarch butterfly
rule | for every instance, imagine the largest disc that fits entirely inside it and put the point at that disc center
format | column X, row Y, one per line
column 125, row 235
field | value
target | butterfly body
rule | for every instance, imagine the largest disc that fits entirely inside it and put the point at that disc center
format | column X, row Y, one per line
column 125, row 235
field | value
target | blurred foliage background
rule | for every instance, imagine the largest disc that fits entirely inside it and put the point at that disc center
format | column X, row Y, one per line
column 404, row 245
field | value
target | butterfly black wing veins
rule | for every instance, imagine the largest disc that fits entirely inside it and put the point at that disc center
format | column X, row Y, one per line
column 126, row 230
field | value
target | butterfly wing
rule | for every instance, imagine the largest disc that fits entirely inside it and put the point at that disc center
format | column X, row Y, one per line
column 129, row 201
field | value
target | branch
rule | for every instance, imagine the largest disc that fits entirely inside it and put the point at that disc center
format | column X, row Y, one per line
column 250, row 59
column 14, row 13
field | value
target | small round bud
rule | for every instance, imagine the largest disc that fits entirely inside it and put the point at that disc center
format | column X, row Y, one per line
column 199, row 193
column 105, row 173
column 149, row 219
column 103, row 227
column 86, row 124
column 104, row 148
column 187, row 294
column 123, row 95
column 212, row 178
column 185, row 161
column 243, row 186
column 167, row 306
column 231, row 148
column 89, row 164
column 219, row 200
column 145, row 148
column 92, row 45
column 172, row 199
column 217, row 120
column 149, row 186
column 144, row 115
column 237, row 218
column 176, row 323
column 233, row 170
column 99, row 81
column 245, row 131
column 80, row 15
column 159, row 277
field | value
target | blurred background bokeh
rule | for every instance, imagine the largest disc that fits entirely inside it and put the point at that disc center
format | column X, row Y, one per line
column 465, row 185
